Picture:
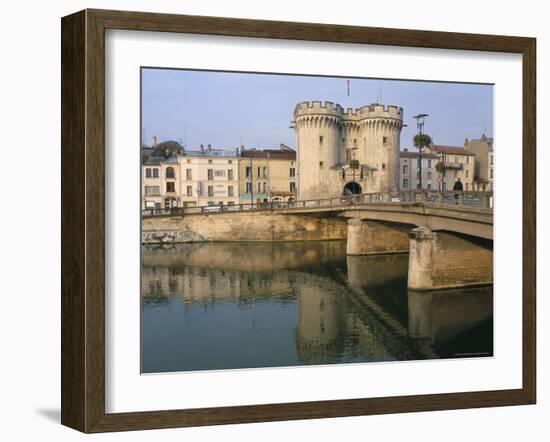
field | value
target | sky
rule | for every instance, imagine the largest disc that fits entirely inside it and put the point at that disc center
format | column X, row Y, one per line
column 227, row 109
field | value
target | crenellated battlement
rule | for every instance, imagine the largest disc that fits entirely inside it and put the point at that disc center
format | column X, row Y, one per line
column 328, row 108
column 318, row 108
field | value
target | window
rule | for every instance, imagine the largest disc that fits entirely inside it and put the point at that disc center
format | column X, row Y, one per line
column 429, row 186
column 293, row 187
column 259, row 171
column 188, row 161
column 189, row 174
column 189, row 190
column 248, row 187
column 444, row 185
column 155, row 172
column 210, row 190
column 148, row 173
column 229, row 190
column 292, row 172
column 405, row 169
column 321, row 139
column 152, row 190
column 383, row 166
column 209, row 161
column 231, row 203
column 230, row 174
column 491, row 159
column 467, row 160
column 170, row 172
column 259, row 187
column 210, row 174
column 264, row 187
column 321, row 164
column 491, row 173
column 429, row 174
column 384, row 140
column 170, row 187
column 248, row 172
column 264, row 172
column 230, row 161
column 467, row 173
column 405, row 183
column 219, row 173
column 429, row 164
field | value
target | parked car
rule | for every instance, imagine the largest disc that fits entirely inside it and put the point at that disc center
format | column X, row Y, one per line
column 212, row 209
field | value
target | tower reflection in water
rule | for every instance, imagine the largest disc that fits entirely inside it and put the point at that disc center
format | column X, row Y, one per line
column 244, row 305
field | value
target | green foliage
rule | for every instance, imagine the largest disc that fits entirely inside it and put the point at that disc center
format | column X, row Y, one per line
column 422, row 140
column 354, row 164
column 439, row 167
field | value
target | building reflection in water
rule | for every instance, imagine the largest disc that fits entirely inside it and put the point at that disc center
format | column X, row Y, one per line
column 244, row 305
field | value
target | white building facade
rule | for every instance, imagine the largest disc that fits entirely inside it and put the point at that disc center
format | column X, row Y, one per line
column 208, row 178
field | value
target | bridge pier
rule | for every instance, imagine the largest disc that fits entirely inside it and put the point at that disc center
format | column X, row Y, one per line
column 369, row 237
column 440, row 260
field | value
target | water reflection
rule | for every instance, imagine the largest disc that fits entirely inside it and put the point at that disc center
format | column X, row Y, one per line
column 240, row 305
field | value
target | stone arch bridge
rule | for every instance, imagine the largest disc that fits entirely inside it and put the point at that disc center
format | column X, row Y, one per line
column 448, row 235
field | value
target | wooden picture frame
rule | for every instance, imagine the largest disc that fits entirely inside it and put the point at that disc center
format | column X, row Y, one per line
column 83, row 220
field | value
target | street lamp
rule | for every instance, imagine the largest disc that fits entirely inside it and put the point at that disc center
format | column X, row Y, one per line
column 420, row 118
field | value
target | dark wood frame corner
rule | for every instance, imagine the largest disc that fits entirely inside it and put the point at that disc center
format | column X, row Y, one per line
column 83, row 217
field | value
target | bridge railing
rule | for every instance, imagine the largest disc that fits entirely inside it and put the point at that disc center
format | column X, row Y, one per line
column 473, row 199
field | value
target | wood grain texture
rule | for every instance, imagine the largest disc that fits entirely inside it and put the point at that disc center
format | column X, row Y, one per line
column 83, row 219
column 73, row 128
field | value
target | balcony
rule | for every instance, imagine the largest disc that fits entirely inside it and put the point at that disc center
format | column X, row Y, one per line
column 449, row 165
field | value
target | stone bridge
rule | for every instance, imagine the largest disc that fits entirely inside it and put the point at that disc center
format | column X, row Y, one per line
column 448, row 235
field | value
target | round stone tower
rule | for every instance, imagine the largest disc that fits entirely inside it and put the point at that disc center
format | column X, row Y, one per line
column 381, row 131
column 328, row 138
column 319, row 136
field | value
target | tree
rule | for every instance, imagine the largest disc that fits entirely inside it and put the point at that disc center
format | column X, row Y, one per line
column 354, row 164
column 422, row 140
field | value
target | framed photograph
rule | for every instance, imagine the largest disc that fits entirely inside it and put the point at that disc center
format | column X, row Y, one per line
column 267, row 220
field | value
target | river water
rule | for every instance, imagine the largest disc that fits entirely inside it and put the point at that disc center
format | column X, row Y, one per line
column 208, row 306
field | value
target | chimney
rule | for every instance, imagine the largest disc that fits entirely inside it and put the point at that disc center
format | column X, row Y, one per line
column 209, row 147
column 466, row 141
column 241, row 148
column 154, row 142
column 202, row 148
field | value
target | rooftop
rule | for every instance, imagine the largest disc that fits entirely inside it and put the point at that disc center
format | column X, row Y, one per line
column 409, row 154
column 212, row 153
column 273, row 154
column 452, row 150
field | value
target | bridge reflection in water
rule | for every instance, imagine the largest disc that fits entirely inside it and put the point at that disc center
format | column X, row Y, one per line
column 242, row 305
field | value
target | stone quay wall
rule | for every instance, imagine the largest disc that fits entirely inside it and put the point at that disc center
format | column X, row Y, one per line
column 248, row 226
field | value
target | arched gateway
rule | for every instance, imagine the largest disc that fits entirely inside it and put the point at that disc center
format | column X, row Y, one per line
column 352, row 188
